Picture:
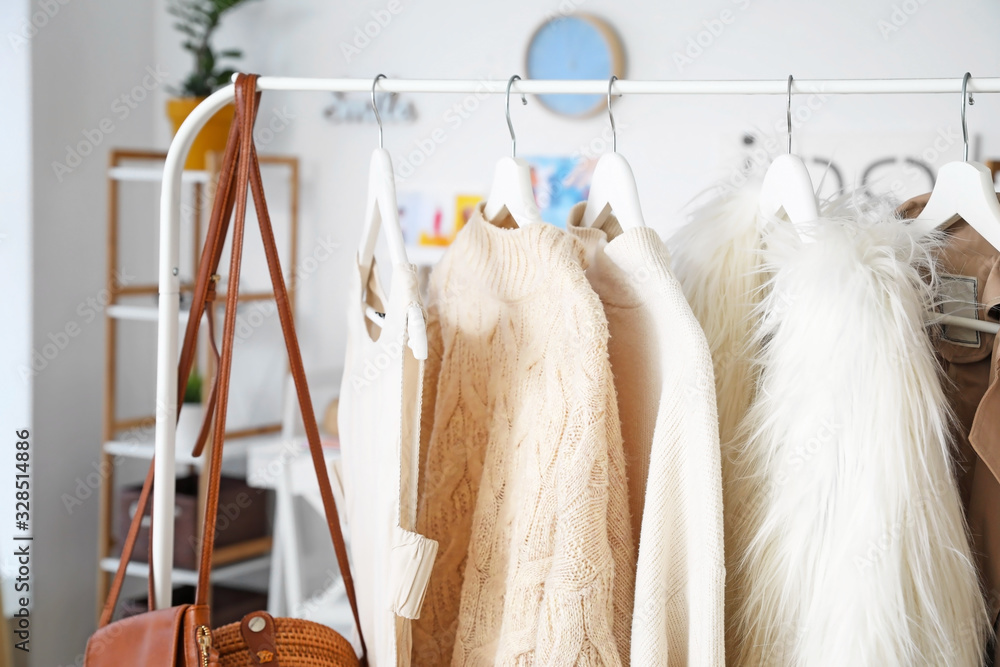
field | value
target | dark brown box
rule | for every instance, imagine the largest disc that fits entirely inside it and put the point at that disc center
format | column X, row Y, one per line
column 229, row 605
column 242, row 516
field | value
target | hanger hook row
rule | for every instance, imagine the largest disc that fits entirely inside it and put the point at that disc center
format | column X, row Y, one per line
column 966, row 97
column 510, row 125
column 611, row 116
column 378, row 118
column 788, row 114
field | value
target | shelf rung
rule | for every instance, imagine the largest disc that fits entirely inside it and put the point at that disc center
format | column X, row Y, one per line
column 120, row 311
column 236, row 447
column 147, row 290
column 133, row 313
column 133, row 422
column 153, row 175
column 220, row 573
column 233, row 553
column 248, row 296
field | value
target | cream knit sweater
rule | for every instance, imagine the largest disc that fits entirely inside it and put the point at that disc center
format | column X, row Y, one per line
column 718, row 259
column 670, row 426
column 524, row 480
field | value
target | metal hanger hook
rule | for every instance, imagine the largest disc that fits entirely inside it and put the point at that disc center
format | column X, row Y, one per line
column 611, row 116
column 378, row 118
column 966, row 97
column 510, row 125
column 788, row 114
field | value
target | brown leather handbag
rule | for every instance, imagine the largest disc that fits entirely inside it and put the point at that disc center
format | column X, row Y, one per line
column 181, row 636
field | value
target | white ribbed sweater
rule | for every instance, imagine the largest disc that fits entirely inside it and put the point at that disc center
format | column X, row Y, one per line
column 523, row 482
column 670, row 428
column 717, row 259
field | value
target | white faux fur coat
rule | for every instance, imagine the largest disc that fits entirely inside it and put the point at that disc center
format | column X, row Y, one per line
column 844, row 533
column 859, row 553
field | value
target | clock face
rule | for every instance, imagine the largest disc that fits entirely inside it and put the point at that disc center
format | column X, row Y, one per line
column 574, row 47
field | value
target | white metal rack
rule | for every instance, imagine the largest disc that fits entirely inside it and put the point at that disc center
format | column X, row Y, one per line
column 169, row 284
column 124, row 437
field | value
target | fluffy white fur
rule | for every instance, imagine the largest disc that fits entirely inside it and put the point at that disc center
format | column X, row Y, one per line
column 857, row 552
column 717, row 259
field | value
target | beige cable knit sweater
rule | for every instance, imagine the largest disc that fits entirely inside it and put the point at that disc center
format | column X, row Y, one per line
column 670, row 426
column 524, row 482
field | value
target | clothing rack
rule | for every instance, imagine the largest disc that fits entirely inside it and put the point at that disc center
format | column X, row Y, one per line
column 169, row 281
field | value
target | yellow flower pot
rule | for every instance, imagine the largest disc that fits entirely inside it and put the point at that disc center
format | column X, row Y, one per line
column 212, row 136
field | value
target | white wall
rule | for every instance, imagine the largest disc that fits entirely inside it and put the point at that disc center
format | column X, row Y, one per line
column 87, row 55
column 674, row 144
column 90, row 53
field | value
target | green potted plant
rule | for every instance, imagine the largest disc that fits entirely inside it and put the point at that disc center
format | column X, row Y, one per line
column 192, row 413
column 198, row 20
column 192, row 390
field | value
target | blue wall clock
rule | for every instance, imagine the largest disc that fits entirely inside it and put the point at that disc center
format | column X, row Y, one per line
column 578, row 46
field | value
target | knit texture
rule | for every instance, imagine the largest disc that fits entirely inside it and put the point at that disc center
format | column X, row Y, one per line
column 718, row 258
column 666, row 400
column 524, row 481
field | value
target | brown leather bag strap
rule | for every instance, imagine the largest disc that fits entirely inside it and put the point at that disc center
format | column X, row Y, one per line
column 204, row 293
column 208, row 265
column 204, row 288
column 302, row 391
column 127, row 548
column 213, row 394
column 248, row 173
column 244, row 116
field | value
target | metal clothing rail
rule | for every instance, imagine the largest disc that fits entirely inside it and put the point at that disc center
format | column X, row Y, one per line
column 169, row 281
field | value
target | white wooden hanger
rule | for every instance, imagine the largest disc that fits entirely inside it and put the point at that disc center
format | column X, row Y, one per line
column 787, row 185
column 382, row 212
column 511, row 191
column 612, row 188
column 963, row 190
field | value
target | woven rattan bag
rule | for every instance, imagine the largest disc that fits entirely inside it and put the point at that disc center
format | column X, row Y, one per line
column 297, row 643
